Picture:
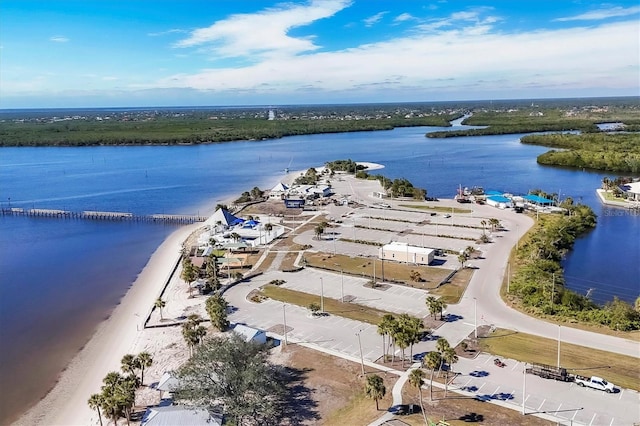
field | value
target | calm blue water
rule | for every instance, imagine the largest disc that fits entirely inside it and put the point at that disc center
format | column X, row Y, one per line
column 59, row 278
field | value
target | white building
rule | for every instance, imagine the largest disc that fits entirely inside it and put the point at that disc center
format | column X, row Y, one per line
column 632, row 190
column 403, row 252
column 278, row 192
column 250, row 334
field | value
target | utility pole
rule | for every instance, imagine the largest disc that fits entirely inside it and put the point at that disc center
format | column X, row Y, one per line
column 508, row 275
column 475, row 318
column 342, row 285
column 524, row 387
column 284, row 320
column 321, row 295
column 361, row 356
column 559, row 345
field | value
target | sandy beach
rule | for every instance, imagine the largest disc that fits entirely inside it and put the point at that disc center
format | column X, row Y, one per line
column 66, row 404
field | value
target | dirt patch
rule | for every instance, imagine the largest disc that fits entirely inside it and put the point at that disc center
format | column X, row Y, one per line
column 336, row 387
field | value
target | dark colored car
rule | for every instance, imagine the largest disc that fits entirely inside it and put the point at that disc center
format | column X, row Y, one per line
column 404, row 409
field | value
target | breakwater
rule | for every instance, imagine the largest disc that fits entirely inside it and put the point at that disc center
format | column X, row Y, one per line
column 102, row 215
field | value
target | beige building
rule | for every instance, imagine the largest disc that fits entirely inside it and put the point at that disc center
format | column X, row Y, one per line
column 403, row 252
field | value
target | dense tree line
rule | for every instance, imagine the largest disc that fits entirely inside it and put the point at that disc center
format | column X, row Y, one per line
column 348, row 166
column 538, row 283
column 188, row 130
column 618, row 152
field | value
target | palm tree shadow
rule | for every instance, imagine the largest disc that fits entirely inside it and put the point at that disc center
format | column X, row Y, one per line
column 299, row 406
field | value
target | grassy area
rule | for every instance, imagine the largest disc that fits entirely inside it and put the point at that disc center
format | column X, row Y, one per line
column 266, row 263
column 288, row 263
column 436, row 208
column 453, row 290
column 331, row 306
column 623, row 371
column 393, row 271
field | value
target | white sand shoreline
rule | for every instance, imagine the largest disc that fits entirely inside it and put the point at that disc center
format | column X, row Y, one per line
column 66, row 403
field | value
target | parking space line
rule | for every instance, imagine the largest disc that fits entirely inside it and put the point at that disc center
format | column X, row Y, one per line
column 558, row 409
column 592, row 419
column 621, row 392
column 486, row 361
column 612, row 419
column 541, row 404
column 574, row 415
column 525, row 400
column 478, row 391
column 514, row 367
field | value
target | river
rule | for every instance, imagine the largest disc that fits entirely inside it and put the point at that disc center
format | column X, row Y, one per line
column 60, row 278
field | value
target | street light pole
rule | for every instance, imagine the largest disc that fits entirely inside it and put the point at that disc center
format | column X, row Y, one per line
column 361, row 356
column 559, row 345
column 321, row 295
column 284, row 320
column 524, row 387
column 475, row 318
column 342, row 285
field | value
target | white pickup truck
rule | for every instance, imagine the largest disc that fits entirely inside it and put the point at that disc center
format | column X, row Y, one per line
column 596, row 383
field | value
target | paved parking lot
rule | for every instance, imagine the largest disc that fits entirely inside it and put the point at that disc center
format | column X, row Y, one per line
column 566, row 402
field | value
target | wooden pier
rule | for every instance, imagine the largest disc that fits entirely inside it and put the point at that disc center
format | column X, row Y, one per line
column 98, row 215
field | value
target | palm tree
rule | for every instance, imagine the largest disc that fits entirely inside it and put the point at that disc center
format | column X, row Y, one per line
column 159, row 303
column 432, row 361
column 442, row 305
column 129, row 364
column 318, row 230
column 384, row 328
column 268, row 227
column 416, row 379
column 494, row 223
column 462, row 258
column 375, row 389
column 95, row 402
column 441, row 346
column 193, row 332
column 431, row 305
column 484, row 224
column 189, row 273
column 144, row 361
column 450, row 357
column 235, row 236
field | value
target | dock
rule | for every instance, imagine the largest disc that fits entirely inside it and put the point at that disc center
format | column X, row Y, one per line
column 100, row 215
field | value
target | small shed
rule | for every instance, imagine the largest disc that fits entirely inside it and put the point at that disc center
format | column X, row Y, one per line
column 250, row 334
column 499, row 201
column 403, row 252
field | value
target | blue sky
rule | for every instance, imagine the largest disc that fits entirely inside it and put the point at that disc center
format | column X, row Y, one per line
column 93, row 53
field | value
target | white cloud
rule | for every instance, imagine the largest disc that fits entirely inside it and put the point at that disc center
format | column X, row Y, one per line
column 374, row 19
column 594, row 15
column 171, row 31
column 264, row 32
column 404, row 17
column 59, row 39
column 428, row 61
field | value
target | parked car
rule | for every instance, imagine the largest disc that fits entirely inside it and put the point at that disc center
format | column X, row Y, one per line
column 595, row 383
column 404, row 409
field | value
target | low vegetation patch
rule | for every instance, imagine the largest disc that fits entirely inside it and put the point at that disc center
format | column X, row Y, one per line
column 331, row 306
column 436, row 208
column 429, row 276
